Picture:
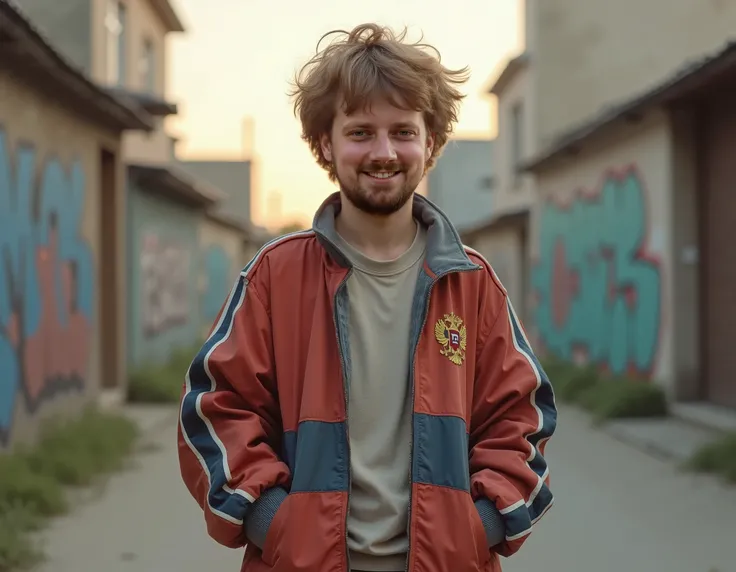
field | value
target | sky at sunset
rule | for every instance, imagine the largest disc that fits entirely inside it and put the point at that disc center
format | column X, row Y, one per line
column 237, row 57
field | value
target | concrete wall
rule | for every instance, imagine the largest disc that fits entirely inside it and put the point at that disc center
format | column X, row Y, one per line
column 145, row 148
column 601, row 245
column 142, row 23
column 458, row 182
column 589, row 53
column 232, row 177
column 66, row 25
column 77, row 27
column 221, row 260
column 513, row 190
column 251, row 248
column 163, row 299
column 501, row 246
column 51, row 279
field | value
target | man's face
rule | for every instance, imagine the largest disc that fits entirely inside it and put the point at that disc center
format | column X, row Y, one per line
column 379, row 155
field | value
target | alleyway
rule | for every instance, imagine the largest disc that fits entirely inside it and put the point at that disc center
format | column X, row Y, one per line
column 617, row 510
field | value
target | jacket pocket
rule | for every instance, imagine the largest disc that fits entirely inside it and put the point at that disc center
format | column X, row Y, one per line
column 275, row 533
column 446, row 531
column 479, row 534
column 307, row 534
column 264, row 521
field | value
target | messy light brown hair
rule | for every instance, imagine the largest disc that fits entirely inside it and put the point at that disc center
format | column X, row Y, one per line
column 372, row 60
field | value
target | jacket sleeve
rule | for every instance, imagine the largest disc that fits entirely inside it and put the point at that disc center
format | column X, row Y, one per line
column 229, row 426
column 513, row 416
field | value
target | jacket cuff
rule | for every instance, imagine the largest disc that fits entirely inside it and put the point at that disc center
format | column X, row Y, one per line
column 492, row 522
column 261, row 513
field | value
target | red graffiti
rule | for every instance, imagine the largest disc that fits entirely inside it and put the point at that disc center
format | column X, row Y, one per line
column 598, row 284
column 55, row 353
column 564, row 286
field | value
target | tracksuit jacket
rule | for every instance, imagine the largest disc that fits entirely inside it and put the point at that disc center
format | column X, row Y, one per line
column 263, row 442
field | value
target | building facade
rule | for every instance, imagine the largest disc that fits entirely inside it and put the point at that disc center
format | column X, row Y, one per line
column 502, row 236
column 591, row 54
column 461, row 180
column 629, row 269
column 175, row 209
column 62, row 203
column 166, row 211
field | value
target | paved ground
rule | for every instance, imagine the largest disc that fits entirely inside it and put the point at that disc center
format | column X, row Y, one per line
column 617, row 510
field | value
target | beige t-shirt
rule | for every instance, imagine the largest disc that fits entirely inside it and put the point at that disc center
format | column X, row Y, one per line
column 380, row 408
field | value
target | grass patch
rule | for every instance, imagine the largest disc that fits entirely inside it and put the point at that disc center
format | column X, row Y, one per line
column 18, row 551
column 579, row 382
column 33, row 480
column 718, row 457
column 21, row 486
column 75, row 452
column 603, row 396
column 155, row 384
column 613, row 398
column 161, row 383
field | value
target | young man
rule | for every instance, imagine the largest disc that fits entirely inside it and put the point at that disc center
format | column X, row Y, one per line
column 367, row 399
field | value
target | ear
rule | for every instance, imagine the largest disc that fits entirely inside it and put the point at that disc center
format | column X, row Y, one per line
column 429, row 147
column 326, row 146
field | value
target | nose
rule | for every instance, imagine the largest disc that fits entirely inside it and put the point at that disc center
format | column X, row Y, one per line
column 383, row 148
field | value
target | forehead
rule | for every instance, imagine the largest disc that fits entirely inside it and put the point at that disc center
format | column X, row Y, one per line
column 379, row 111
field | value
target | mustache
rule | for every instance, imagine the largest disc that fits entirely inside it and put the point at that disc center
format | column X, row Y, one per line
column 382, row 166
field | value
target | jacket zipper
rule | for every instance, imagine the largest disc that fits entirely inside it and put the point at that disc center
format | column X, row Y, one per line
column 346, row 392
column 413, row 369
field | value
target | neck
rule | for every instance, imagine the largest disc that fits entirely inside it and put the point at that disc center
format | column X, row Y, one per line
column 380, row 237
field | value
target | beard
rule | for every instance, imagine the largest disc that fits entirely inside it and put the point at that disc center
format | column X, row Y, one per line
column 379, row 201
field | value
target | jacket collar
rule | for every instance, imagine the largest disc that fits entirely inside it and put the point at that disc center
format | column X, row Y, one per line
column 445, row 251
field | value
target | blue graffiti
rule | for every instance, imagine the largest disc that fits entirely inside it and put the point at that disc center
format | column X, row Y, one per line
column 598, row 290
column 46, row 279
column 217, row 266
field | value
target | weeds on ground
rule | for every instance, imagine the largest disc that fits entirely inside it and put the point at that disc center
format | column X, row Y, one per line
column 718, row 457
column 604, row 397
column 161, row 383
column 17, row 549
column 619, row 398
column 607, row 398
column 32, row 480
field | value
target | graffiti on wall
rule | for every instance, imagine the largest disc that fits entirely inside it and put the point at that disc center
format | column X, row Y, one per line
column 217, row 267
column 46, row 280
column 164, row 285
column 598, row 288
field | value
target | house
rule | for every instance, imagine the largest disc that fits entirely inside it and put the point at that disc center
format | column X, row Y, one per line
column 502, row 235
column 62, row 216
column 461, row 179
column 233, row 177
column 186, row 236
column 166, row 275
column 634, row 211
column 228, row 237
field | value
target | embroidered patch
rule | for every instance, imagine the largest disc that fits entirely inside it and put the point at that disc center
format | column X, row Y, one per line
column 451, row 334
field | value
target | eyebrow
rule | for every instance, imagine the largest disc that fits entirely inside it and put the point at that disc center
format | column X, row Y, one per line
column 368, row 125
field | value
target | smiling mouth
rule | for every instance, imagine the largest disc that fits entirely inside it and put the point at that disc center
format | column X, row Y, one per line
column 381, row 175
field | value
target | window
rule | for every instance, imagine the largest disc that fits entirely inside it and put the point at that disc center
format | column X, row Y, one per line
column 115, row 44
column 517, row 141
column 147, row 67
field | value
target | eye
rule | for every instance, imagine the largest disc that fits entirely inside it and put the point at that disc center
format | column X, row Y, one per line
column 359, row 133
column 406, row 133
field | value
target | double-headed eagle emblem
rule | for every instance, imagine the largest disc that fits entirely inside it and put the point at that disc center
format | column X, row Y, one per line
column 452, row 336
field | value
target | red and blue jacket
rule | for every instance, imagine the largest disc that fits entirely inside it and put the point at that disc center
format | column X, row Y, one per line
column 263, row 441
